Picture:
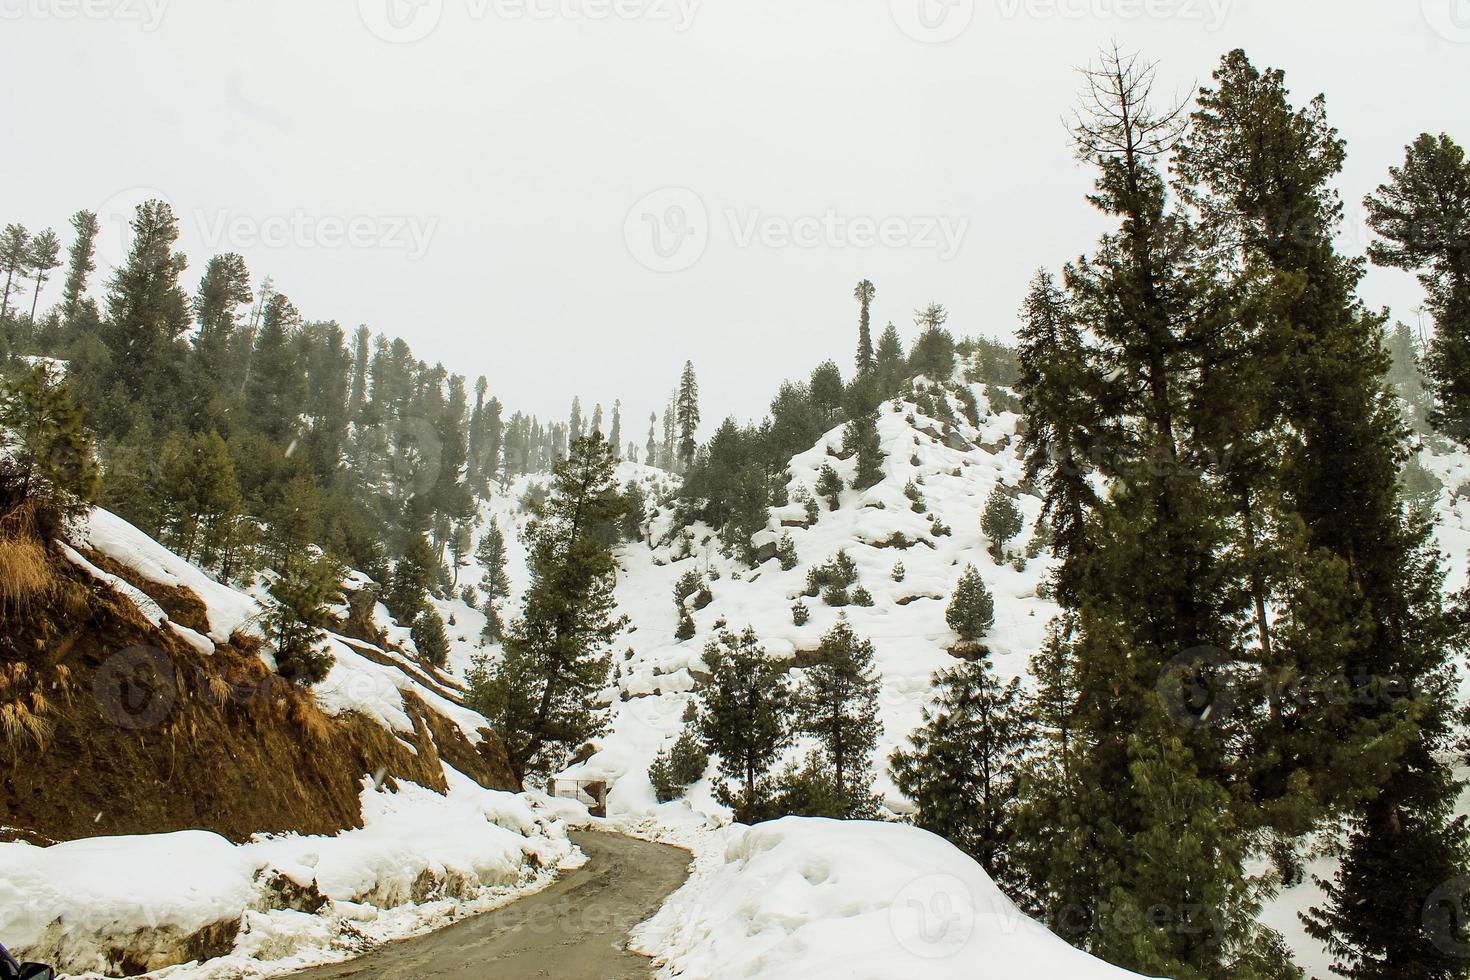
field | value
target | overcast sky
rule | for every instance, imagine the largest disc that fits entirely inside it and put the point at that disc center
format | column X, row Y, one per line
column 574, row 196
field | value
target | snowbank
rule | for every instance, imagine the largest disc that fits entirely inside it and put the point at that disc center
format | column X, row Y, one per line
column 821, row 898
column 420, row 861
column 227, row 609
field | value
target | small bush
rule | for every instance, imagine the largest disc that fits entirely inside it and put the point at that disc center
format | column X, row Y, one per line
column 899, row 573
column 861, row 597
column 786, row 553
column 829, row 485
column 800, row 613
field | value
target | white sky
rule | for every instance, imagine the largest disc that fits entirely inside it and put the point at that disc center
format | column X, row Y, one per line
column 497, row 164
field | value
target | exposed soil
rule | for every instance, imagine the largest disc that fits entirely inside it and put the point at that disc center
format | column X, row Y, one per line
column 143, row 734
column 577, row 929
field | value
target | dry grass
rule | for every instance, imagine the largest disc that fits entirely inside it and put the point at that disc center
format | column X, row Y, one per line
column 20, row 725
column 310, row 719
column 25, row 573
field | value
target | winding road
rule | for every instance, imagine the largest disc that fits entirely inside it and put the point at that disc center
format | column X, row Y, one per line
column 576, row 929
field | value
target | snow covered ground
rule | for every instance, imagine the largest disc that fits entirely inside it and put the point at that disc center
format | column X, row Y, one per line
column 420, row 861
column 806, row 898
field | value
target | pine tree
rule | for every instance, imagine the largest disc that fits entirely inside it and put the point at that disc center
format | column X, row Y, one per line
column 46, row 454
column 1421, row 216
column 147, row 313
column 890, row 361
column 965, row 764
column 223, row 290
column 1364, row 569
column 861, row 440
column 1057, row 382
column 299, row 615
column 686, row 414
column 413, row 576
column 971, row 610
column 742, row 719
column 495, row 585
column 43, row 256
column 1001, row 521
column 615, row 433
column 864, row 295
column 650, row 452
column 201, row 493
column 836, row 703
column 15, row 245
column 429, row 638
column 81, row 263
column 277, row 388
column 574, row 431
column 540, row 695
column 933, row 354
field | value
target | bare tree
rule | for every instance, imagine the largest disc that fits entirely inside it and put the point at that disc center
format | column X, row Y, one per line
column 1117, row 117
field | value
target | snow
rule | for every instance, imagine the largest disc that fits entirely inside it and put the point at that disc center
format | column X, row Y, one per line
column 227, row 609
column 64, row 903
column 813, row 898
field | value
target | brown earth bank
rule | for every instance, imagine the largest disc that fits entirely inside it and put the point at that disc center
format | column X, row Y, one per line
column 110, row 725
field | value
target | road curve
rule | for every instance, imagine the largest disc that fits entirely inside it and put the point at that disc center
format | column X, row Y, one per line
column 576, row 929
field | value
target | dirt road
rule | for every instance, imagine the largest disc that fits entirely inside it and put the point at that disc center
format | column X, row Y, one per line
column 577, row 929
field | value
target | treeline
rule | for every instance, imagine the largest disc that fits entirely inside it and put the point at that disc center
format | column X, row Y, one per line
column 237, row 431
column 1253, row 645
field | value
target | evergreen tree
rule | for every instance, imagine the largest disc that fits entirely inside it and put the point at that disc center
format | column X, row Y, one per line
column 575, row 428
column 1001, row 521
column 1421, row 216
column 224, row 288
column 864, row 295
column 933, row 355
column 298, row 618
column 890, row 361
column 971, row 610
column 46, row 454
column 277, row 386
column 861, row 440
column 615, row 433
column 964, row 767
column 147, row 314
column 539, row 696
column 413, row 576
column 81, row 263
column 650, row 452
column 495, row 585
column 201, row 493
column 837, row 704
column 686, row 414
column 742, row 719
column 15, row 249
column 429, row 638
column 1369, row 579
column 43, row 256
